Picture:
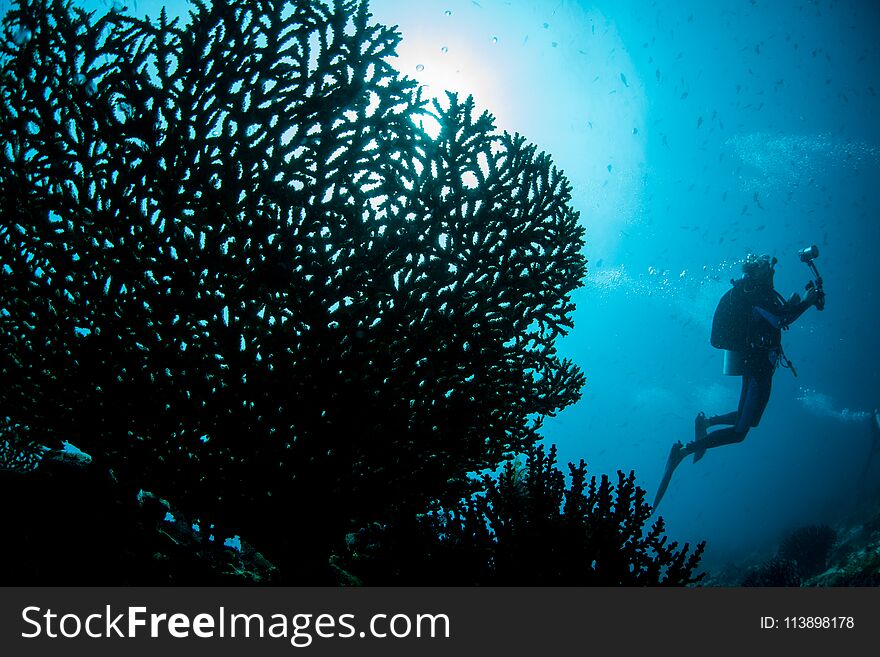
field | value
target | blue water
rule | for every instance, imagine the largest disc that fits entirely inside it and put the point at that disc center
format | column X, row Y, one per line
column 694, row 133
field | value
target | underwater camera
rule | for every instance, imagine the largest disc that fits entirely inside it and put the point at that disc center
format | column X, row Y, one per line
column 809, row 253
column 807, row 256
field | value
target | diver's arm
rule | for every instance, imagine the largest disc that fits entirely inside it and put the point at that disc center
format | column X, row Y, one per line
column 796, row 307
column 784, row 316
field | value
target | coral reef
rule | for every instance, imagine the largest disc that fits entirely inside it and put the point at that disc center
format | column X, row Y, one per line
column 819, row 555
column 773, row 572
column 525, row 527
column 238, row 273
column 809, row 547
column 75, row 526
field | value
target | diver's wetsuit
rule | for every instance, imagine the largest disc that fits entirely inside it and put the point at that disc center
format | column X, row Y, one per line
column 753, row 398
column 770, row 315
column 753, row 321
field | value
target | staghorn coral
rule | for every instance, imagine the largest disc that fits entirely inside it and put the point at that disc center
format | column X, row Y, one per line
column 236, row 271
column 17, row 455
column 529, row 529
column 810, row 548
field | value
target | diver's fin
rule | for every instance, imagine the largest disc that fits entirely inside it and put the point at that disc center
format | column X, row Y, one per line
column 675, row 457
column 700, row 453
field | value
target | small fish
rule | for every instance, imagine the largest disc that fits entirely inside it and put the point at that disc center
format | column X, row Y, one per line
column 609, row 168
column 623, row 79
column 665, row 141
column 699, row 122
column 684, row 95
column 658, row 75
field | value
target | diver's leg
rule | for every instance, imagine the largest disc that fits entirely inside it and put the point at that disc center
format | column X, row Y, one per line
column 727, row 418
column 725, row 436
column 759, row 396
column 702, row 423
column 750, row 398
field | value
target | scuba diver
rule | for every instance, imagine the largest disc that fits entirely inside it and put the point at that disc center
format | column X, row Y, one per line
column 748, row 326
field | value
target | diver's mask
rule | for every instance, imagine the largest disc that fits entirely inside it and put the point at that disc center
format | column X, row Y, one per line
column 760, row 268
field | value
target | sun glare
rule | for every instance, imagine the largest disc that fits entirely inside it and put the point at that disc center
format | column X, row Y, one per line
column 460, row 67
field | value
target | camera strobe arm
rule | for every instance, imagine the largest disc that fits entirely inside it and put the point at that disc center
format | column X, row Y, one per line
column 817, row 285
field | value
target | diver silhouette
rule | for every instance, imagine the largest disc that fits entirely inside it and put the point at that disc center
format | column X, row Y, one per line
column 748, row 325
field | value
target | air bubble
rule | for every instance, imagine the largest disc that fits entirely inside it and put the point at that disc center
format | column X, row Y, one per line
column 494, row 39
column 448, row 12
column 420, row 67
column 444, row 49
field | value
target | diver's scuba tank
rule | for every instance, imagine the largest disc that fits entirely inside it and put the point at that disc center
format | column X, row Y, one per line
column 734, row 363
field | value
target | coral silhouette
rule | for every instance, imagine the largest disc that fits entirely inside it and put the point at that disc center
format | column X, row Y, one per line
column 239, row 274
column 526, row 528
column 773, row 572
column 810, row 548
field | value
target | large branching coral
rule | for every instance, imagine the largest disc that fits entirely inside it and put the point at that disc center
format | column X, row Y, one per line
column 238, row 272
column 527, row 528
